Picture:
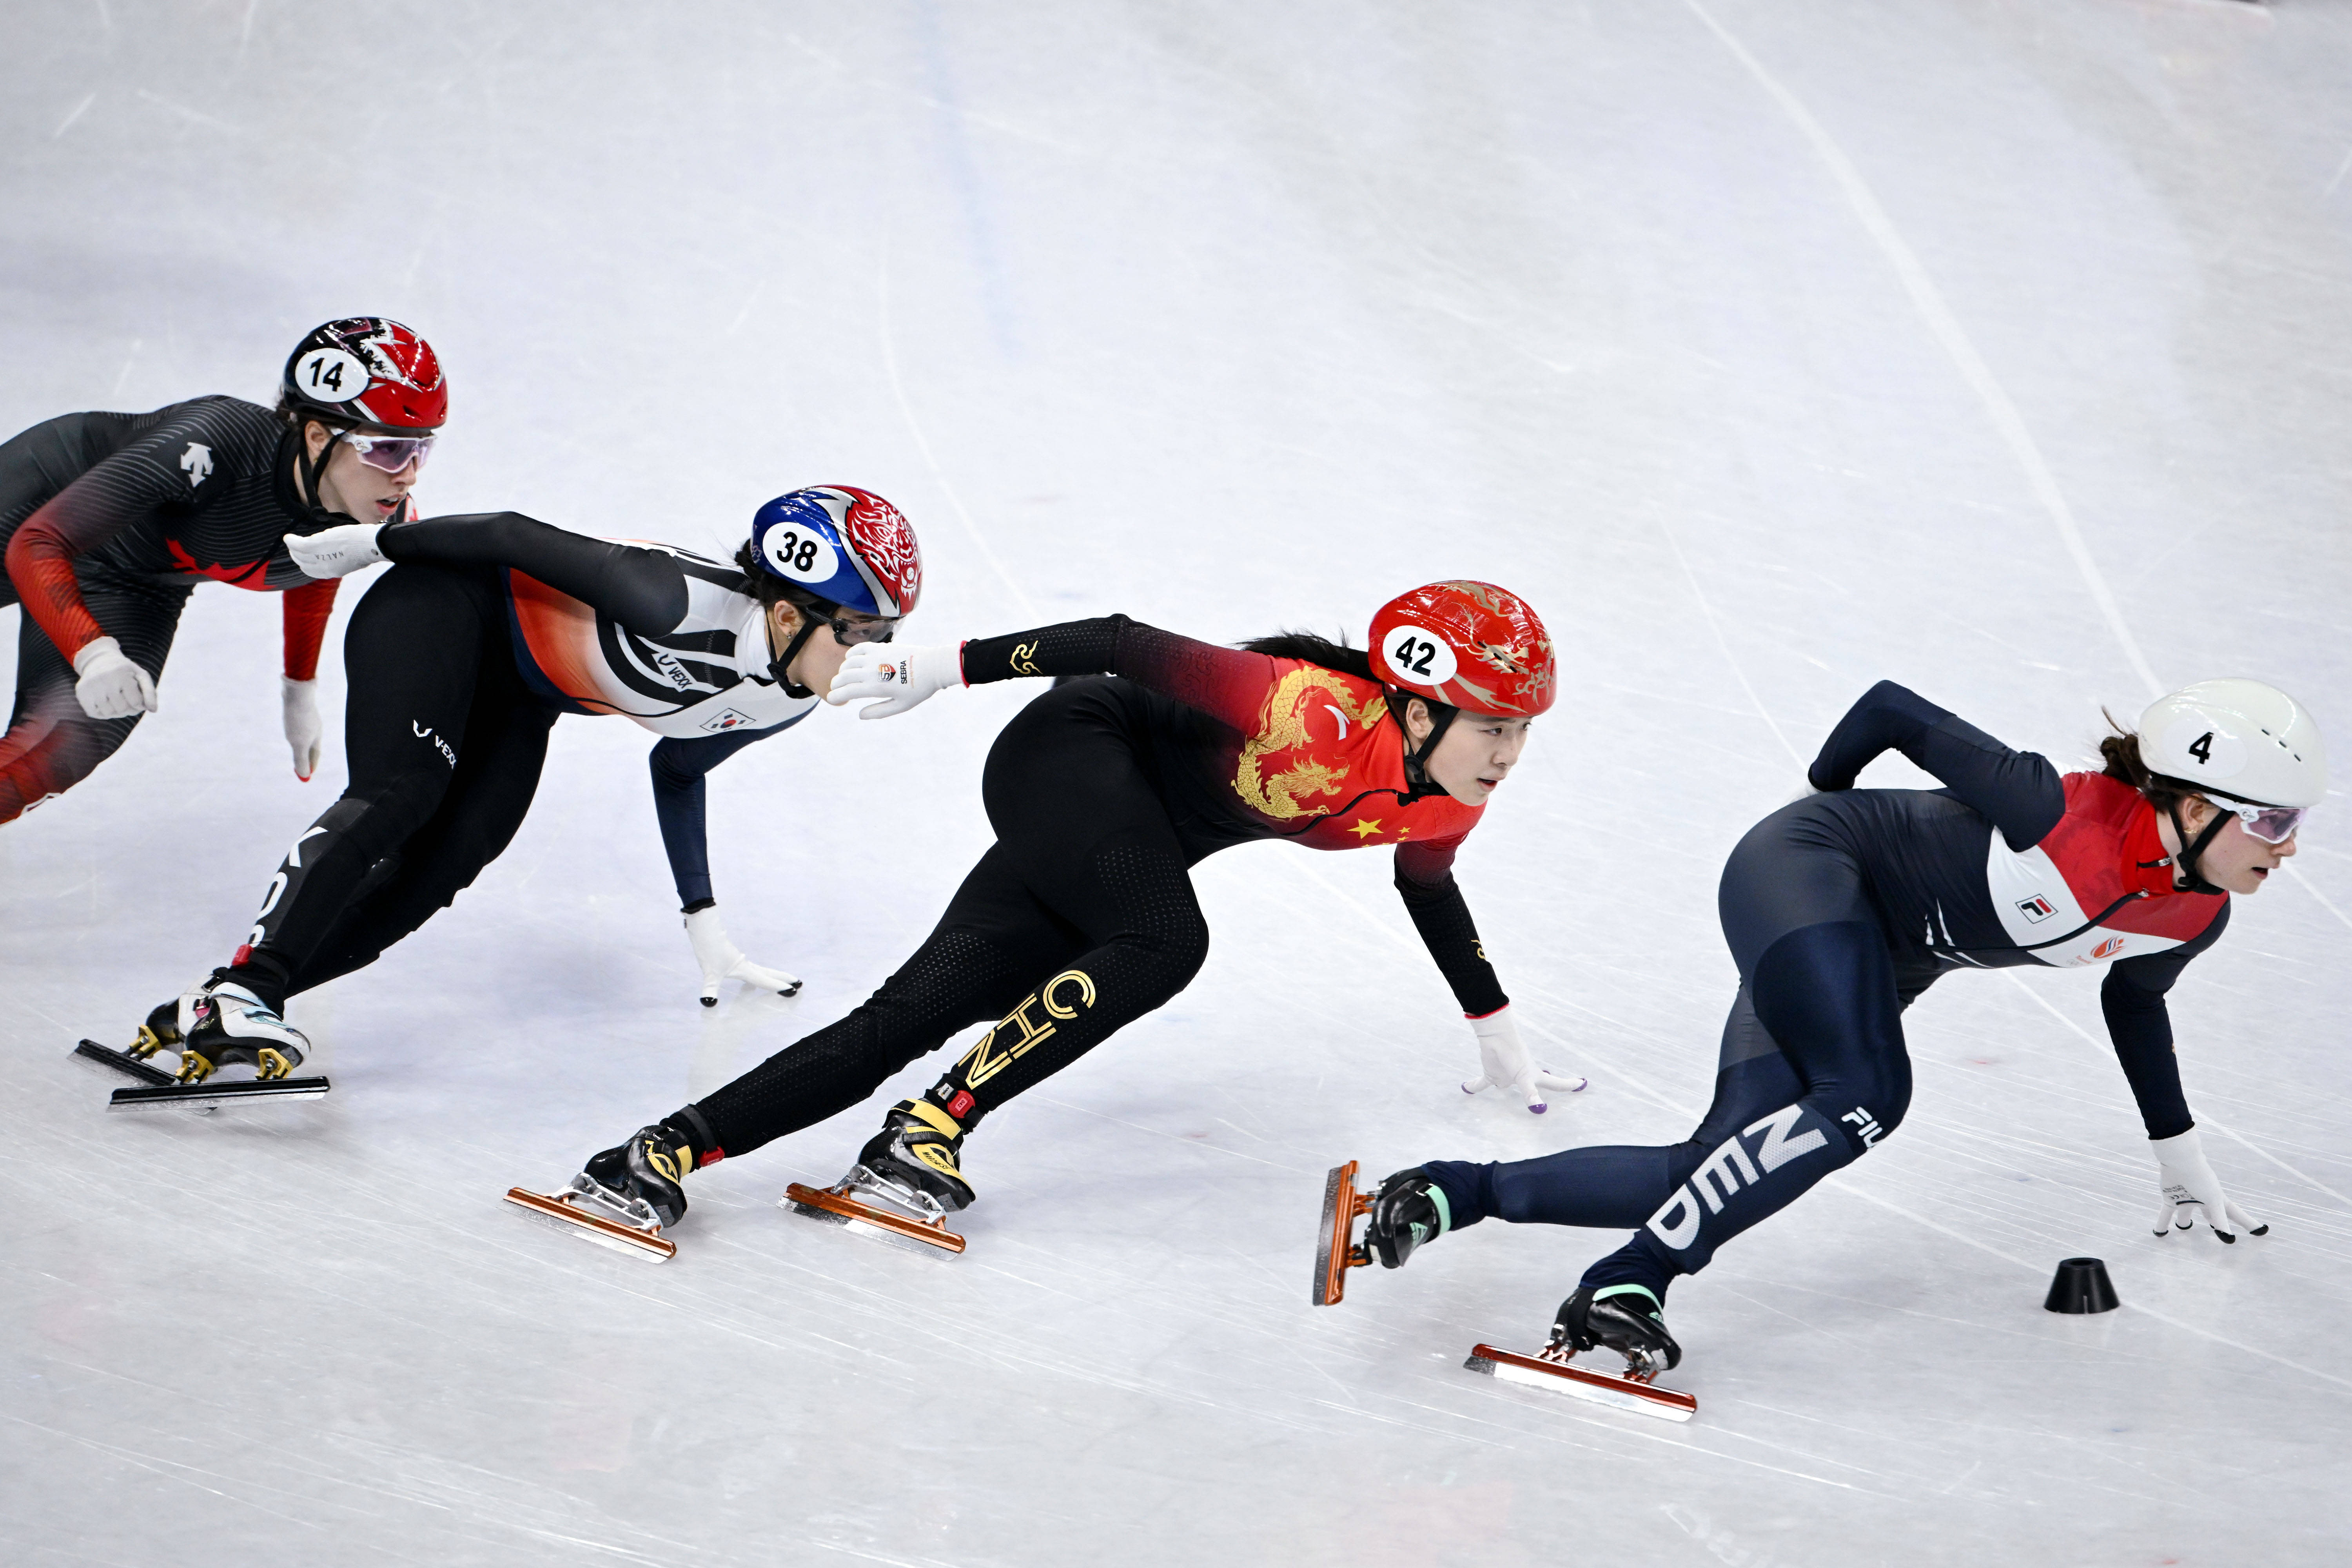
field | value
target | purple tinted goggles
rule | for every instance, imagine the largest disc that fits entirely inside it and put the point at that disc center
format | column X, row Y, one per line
column 2271, row 823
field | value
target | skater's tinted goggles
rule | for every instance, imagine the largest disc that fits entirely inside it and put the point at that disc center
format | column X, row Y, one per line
column 2271, row 823
column 389, row 453
column 850, row 633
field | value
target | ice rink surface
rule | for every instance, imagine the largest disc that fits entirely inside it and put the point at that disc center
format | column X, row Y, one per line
column 2001, row 347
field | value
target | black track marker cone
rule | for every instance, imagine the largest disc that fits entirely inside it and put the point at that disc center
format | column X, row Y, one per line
column 2080, row 1286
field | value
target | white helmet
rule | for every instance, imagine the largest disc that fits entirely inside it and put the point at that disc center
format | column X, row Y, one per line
column 2236, row 738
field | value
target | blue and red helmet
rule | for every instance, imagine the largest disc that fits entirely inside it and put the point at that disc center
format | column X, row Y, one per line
column 843, row 545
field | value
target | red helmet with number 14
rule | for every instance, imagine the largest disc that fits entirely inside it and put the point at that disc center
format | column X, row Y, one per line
column 369, row 372
column 1470, row 646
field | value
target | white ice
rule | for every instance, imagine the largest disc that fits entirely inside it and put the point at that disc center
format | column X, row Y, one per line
column 1768, row 348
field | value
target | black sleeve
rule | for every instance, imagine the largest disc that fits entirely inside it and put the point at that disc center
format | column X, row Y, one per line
column 2132, row 997
column 644, row 590
column 1434, row 899
column 678, row 764
column 2017, row 792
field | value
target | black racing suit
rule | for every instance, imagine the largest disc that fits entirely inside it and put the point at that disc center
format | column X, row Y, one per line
column 1081, row 917
column 447, row 722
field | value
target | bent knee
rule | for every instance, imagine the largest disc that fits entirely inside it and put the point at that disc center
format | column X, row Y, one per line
column 1175, row 953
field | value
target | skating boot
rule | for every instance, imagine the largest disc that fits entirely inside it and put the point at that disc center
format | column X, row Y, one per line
column 1625, row 1319
column 642, row 1176
column 1408, row 1211
column 161, row 1032
column 915, row 1155
column 168, row 1022
column 626, row 1196
column 911, row 1167
column 224, row 1024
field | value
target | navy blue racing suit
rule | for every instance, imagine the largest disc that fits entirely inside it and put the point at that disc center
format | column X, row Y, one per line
column 1840, row 909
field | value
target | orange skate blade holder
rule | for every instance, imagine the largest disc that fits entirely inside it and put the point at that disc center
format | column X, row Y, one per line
column 1337, row 1251
column 560, row 1208
column 834, row 1206
column 1552, row 1371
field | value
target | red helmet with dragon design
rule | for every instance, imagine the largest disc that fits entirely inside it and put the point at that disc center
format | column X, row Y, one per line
column 1471, row 646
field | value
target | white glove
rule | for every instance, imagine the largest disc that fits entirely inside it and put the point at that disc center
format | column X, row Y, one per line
column 303, row 730
column 110, row 686
column 2191, row 1189
column 1508, row 1065
column 723, row 960
column 902, row 677
column 335, row 552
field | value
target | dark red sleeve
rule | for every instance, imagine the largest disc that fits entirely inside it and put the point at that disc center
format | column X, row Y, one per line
column 306, row 609
column 1226, row 683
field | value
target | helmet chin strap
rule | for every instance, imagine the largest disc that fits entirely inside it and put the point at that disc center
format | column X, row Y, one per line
column 2193, row 879
column 1441, row 718
column 315, row 469
column 783, row 660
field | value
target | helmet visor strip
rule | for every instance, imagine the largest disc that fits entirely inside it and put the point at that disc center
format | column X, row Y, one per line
column 2271, row 823
column 389, row 453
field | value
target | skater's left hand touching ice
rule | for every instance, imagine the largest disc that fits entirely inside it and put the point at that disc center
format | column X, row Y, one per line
column 1507, row 1065
column 2192, row 1191
column 901, row 677
column 721, row 958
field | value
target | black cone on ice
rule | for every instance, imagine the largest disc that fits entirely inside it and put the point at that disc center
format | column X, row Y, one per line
column 2081, row 1286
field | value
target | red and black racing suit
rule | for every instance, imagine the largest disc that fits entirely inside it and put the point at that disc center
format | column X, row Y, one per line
column 108, row 522
column 1081, row 917
column 1840, row 909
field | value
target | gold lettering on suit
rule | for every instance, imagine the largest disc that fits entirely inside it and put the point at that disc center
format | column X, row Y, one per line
column 999, row 1048
column 1281, row 726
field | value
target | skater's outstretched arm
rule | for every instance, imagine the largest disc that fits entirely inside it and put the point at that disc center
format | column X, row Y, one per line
column 2132, row 997
column 1424, row 880
column 643, row 589
column 2018, row 792
column 1226, row 683
column 679, row 766
column 2140, row 1024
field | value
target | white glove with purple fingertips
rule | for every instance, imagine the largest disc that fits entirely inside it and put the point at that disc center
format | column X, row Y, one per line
column 1507, row 1066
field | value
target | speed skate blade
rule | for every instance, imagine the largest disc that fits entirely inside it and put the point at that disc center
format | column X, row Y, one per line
column 865, row 1219
column 123, row 1062
column 205, row 1095
column 1334, row 1251
column 1582, row 1383
column 569, row 1217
